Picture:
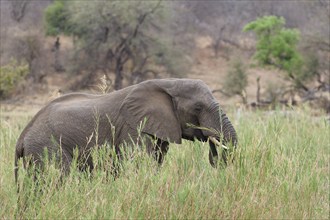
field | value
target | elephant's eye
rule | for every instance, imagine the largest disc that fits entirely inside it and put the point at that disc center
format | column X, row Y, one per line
column 198, row 107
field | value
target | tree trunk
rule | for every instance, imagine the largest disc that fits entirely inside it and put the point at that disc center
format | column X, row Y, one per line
column 258, row 89
column 57, row 62
column 119, row 76
column 18, row 9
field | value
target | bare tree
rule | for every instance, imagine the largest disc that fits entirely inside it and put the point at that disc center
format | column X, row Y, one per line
column 29, row 48
column 18, row 9
column 56, row 50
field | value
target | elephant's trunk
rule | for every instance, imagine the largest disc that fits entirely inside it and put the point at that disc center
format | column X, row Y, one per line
column 218, row 126
column 228, row 131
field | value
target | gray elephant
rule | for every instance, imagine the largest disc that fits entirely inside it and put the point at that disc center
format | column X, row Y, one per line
column 166, row 106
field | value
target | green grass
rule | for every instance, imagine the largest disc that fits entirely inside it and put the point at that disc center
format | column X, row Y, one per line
column 281, row 171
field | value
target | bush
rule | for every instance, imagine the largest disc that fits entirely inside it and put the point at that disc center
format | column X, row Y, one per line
column 310, row 68
column 273, row 92
column 236, row 81
column 56, row 19
column 11, row 75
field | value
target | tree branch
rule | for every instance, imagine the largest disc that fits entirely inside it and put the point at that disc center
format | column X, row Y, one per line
column 18, row 9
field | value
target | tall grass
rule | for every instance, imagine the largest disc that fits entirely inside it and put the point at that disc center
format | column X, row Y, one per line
column 281, row 170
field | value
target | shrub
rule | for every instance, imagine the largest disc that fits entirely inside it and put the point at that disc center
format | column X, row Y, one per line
column 11, row 75
column 273, row 92
column 311, row 67
column 56, row 18
column 236, row 81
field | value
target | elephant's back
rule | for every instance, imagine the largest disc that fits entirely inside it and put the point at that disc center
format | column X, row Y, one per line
column 71, row 115
column 74, row 97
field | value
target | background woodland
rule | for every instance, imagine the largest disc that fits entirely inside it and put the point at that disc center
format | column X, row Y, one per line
column 61, row 46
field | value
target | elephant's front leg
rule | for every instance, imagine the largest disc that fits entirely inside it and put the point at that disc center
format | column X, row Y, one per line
column 157, row 149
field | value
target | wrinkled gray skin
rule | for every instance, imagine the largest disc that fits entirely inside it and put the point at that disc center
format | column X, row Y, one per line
column 168, row 105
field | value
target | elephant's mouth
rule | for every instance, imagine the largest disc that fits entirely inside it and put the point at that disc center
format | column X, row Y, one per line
column 217, row 143
column 213, row 153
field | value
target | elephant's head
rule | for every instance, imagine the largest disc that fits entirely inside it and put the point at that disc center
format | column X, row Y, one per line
column 171, row 106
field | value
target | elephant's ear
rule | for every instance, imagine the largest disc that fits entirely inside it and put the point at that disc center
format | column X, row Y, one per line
column 154, row 104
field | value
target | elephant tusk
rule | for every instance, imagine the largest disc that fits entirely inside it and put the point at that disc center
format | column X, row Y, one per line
column 216, row 142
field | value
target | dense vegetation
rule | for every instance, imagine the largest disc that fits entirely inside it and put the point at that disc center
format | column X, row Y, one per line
column 280, row 171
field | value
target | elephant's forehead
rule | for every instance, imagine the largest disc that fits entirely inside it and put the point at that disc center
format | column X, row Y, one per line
column 195, row 87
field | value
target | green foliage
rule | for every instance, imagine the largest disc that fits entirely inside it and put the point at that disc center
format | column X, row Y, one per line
column 56, row 18
column 310, row 68
column 118, row 17
column 11, row 75
column 236, row 80
column 276, row 44
column 280, row 171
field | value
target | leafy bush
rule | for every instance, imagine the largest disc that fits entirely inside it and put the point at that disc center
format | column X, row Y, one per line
column 11, row 75
column 56, row 18
column 236, row 80
column 273, row 92
column 311, row 67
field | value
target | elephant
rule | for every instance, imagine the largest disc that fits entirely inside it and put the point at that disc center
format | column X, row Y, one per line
column 167, row 107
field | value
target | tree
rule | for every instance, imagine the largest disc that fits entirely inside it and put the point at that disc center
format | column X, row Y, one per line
column 125, row 38
column 277, row 46
column 18, row 9
column 28, row 48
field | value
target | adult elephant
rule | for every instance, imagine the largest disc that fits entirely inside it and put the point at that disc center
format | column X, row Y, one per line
column 166, row 106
